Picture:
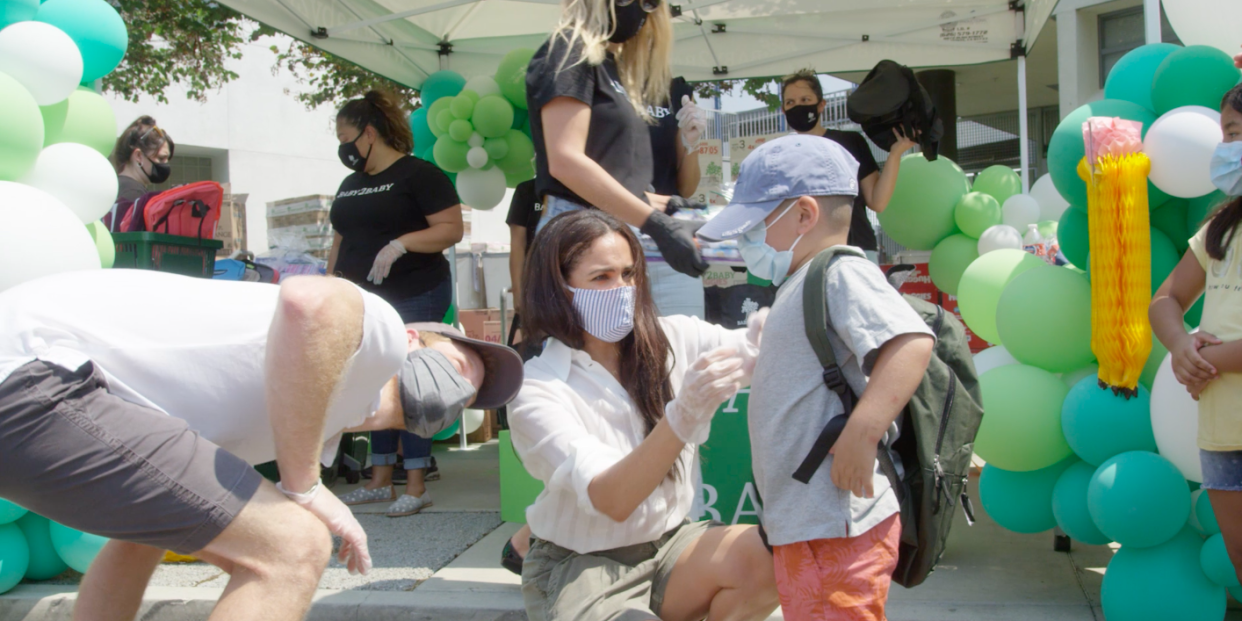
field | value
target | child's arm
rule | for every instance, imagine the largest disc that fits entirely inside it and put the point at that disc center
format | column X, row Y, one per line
column 899, row 367
column 1225, row 357
column 1168, row 308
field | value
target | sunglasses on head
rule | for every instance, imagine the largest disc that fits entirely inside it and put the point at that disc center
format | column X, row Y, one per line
column 647, row 5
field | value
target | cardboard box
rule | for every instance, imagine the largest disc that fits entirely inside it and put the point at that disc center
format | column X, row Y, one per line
column 310, row 212
column 231, row 229
column 483, row 323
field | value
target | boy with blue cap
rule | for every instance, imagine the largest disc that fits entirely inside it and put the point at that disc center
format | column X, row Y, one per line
column 835, row 538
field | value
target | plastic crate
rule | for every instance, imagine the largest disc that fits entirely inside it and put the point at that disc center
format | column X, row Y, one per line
column 188, row 256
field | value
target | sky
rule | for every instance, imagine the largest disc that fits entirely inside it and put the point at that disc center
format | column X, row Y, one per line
column 740, row 102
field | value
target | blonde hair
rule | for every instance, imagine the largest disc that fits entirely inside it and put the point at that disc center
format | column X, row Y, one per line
column 644, row 61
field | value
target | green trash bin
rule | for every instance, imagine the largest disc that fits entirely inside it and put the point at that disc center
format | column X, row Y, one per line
column 189, row 256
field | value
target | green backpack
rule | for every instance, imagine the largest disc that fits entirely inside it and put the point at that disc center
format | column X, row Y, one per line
column 938, row 427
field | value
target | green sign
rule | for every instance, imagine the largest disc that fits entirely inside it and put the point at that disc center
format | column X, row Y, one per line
column 728, row 493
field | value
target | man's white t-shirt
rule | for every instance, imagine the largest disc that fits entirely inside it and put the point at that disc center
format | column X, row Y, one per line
column 192, row 348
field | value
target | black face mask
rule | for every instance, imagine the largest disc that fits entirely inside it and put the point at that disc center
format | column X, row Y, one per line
column 158, row 174
column 803, row 118
column 351, row 157
column 630, row 19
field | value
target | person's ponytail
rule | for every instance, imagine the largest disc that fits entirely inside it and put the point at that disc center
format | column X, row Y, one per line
column 380, row 110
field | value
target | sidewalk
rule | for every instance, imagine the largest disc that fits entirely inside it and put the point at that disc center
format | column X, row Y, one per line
column 987, row 574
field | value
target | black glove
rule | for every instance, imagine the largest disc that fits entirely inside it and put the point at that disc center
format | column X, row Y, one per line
column 677, row 203
column 675, row 238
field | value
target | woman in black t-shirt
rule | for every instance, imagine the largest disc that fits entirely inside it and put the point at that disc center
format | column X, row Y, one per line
column 588, row 89
column 393, row 218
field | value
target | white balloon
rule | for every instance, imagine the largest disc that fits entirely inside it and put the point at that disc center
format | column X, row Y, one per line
column 999, row 237
column 1051, row 204
column 476, row 157
column 476, row 140
column 991, row 358
column 1020, row 210
column 43, row 58
column 79, row 176
column 40, row 236
column 484, row 85
column 1206, row 22
column 1175, row 421
column 481, row 189
column 1180, row 145
column 472, row 419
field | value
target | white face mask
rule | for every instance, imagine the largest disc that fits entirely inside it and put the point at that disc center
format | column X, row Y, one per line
column 606, row 314
column 763, row 260
column 1227, row 168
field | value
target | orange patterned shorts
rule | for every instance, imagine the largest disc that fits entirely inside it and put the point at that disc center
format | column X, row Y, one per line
column 843, row 579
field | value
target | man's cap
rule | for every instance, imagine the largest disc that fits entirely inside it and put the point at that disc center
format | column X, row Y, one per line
column 780, row 169
column 502, row 367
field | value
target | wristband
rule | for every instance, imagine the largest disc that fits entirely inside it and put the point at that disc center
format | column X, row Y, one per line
column 303, row 498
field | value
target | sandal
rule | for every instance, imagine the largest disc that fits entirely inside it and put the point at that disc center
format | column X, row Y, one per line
column 409, row 505
column 364, row 496
column 510, row 559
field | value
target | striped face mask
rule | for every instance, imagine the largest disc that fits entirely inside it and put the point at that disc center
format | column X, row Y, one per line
column 607, row 314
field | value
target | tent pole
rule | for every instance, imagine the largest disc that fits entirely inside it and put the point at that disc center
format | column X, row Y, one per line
column 1024, row 151
column 1151, row 21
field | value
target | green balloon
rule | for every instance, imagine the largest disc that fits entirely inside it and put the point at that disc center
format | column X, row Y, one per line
column 1021, row 501
column 1069, row 505
column 1207, row 517
column 1131, row 76
column 1214, row 559
column 450, row 155
column 449, row 432
column 460, row 130
column 1161, row 582
column 976, row 213
column 511, row 76
column 13, row 11
column 921, row 211
column 420, row 130
column 1196, row 75
column 1100, row 425
column 1074, row 237
column 434, row 112
column 519, row 118
column 513, row 179
column 1072, row 378
column 95, row 27
column 497, row 148
column 1139, row 499
column 1066, row 147
column 1170, row 219
column 1164, row 257
column 462, row 106
column 45, row 563
column 950, row 259
column 521, row 152
column 980, row 288
column 14, row 556
column 445, row 83
column 1044, row 319
column 1022, row 429
column 103, row 243
column 1198, row 210
column 1000, row 182
column 75, row 547
column 10, row 511
column 493, row 116
column 1048, row 229
column 21, row 129
column 84, row 118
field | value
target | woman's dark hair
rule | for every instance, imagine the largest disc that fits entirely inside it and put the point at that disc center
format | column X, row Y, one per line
column 380, row 110
column 645, row 364
column 1224, row 221
column 142, row 134
column 803, row 75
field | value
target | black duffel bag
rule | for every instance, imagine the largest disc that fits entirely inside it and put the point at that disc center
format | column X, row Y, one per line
column 890, row 97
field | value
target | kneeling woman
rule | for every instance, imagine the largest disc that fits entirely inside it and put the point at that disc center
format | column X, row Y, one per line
column 609, row 418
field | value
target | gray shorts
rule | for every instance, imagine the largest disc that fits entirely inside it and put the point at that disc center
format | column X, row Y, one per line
column 76, row 454
column 623, row 584
column 1222, row 470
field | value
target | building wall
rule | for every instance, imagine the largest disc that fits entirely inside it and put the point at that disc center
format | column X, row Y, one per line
column 260, row 138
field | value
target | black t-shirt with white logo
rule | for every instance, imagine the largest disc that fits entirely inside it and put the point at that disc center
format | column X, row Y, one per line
column 372, row 210
column 617, row 139
column 525, row 210
column 862, row 234
column 665, row 139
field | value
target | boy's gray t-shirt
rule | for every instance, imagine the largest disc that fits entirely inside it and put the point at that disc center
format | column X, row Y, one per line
column 790, row 405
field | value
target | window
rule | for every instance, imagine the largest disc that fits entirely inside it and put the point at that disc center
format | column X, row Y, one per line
column 1122, row 31
column 186, row 169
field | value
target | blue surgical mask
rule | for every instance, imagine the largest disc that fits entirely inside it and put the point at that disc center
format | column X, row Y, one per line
column 763, row 260
column 1227, row 168
column 606, row 314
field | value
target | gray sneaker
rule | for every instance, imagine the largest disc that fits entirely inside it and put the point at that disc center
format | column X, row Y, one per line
column 364, row 496
column 409, row 505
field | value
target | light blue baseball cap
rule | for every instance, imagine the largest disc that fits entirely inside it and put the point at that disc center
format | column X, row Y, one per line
column 787, row 167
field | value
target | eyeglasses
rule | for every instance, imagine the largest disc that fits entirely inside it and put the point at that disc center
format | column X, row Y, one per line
column 647, row 5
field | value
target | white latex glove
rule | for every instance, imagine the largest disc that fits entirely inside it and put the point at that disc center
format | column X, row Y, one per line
column 340, row 522
column 384, row 260
column 714, row 377
column 750, row 351
column 692, row 123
